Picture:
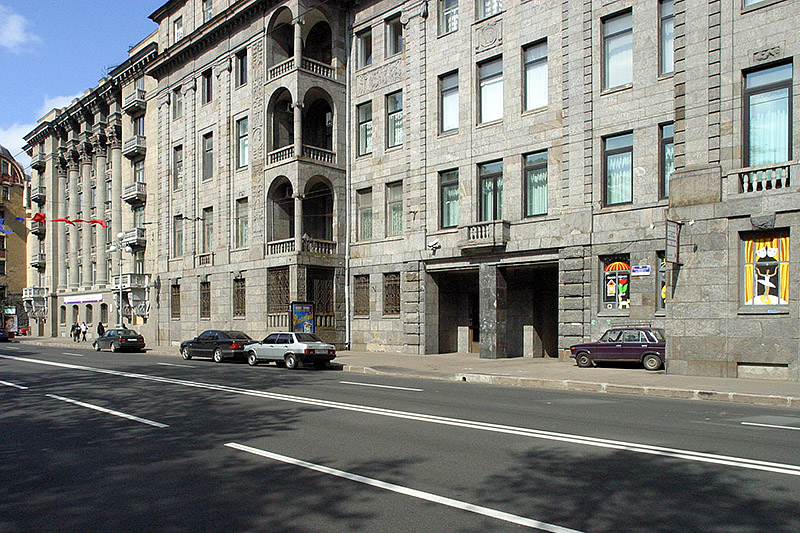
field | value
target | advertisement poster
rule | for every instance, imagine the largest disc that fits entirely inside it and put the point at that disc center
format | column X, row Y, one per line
column 301, row 316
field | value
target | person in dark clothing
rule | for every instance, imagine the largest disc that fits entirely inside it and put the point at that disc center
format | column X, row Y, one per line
column 75, row 332
column 100, row 329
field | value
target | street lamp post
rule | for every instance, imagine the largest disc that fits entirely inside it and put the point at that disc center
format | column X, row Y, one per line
column 118, row 246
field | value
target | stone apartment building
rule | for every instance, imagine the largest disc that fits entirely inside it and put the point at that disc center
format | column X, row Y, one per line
column 13, row 232
column 493, row 177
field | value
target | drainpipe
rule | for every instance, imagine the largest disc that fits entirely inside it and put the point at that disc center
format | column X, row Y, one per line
column 348, row 206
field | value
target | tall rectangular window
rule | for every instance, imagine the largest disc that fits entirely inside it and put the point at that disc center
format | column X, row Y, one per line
column 536, row 184
column 361, row 295
column 178, row 29
column 208, row 156
column 535, row 75
column 175, row 300
column 490, row 81
column 616, row 277
column 241, row 236
column 138, row 171
column 241, row 67
column 364, row 112
column 394, row 36
column 765, row 265
column 239, row 298
column 177, row 103
column 394, row 208
column 205, row 299
column 768, row 115
column 449, row 198
column 618, row 169
column 208, row 229
column 138, row 125
column 207, row 93
column 448, row 16
column 208, row 10
column 487, row 8
column 177, row 236
column 394, row 119
column 364, row 50
column 242, row 148
column 364, row 199
column 490, row 176
column 177, row 168
column 391, row 293
column 666, row 37
column 661, row 282
column 667, row 157
column 618, row 50
column 448, row 90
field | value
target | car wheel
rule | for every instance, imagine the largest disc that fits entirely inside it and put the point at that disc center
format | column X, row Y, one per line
column 114, row 347
column 291, row 361
column 252, row 360
column 185, row 354
column 321, row 365
column 651, row 362
column 583, row 360
column 96, row 347
column 217, row 355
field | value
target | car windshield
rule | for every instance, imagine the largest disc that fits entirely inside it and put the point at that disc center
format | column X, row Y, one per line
column 307, row 337
column 659, row 334
column 238, row 335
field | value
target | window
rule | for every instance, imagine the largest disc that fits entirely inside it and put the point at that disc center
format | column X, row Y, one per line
column 177, row 236
column 205, row 299
column 535, row 76
column 616, row 274
column 364, row 199
column 177, row 168
column 178, row 29
column 208, row 156
column 208, row 229
column 138, row 216
column 175, row 301
column 448, row 16
column 449, row 198
column 364, row 112
column 361, row 296
column 448, row 90
column 667, row 157
column 617, row 50
column 138, row 125
column 666, row 48
column 177, row 103
column 661, row 282
column 394, row 208
column 487, row 8
column 618, row 169
column 104, row 313
column 62, row 315
column 364, row 48
column 768, row 111
column 241, row 68
column 208, row 10
column 394, row 36
column 208, row 87
column 391, row 293
column 241, row 236
column 242, row 149
column 138, row 171
column 491, row 191
column 536, row 184
column 394, row 119
column 766, row 268
column 239, row 298
column 490, row 80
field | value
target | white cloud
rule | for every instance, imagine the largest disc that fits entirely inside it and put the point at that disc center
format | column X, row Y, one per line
column 11, row 138
column 56, row 102
column 14, row 34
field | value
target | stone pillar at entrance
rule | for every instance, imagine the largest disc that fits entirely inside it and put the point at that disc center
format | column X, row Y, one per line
column 493, row 312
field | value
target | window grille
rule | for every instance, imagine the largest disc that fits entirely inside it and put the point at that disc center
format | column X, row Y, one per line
column 361, row 296
column 239, row 301
column 205, row 299
column 391, row 293
column 278, row 290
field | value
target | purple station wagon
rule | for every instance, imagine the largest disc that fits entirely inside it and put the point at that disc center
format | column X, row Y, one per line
column 646, row 345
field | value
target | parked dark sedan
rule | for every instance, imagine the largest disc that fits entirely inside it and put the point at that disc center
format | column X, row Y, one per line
column 646, row 345
column 119, row 339
column 216, row 344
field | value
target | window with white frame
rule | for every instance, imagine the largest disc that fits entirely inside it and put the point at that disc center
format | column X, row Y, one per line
column 448, row 16
column 207, row 222
column 138, row 171
column 490, row 178
column 490, row 82
column 394, row 36
column 364, row 49
column 448, row 197
column 765, row 265
column 364, row 112
column 666, row 51
column 394, row 208
column 535, row 75
column 394, row 119
column 364, row 200
column 667, row 151
column 618, row 169
column 618, row 50
column 208, row 10
column 536, row 184
column 242, row 148
column 177, row 103
column 487, row 8
column 178, row 29
column 768, row 115
column 448, row 102
column 177, row 168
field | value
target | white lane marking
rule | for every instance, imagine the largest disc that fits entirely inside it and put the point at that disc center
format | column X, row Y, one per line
column 75, row 354
column 379, row 386
column 740, row 462
column 109, row 411
column 8, row 384
column 457, row 504
column 770, row 426
column 179, row 366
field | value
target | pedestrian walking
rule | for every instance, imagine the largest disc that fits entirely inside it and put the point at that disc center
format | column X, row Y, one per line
column 74, row 331
column 84, row 329
column 100, row 329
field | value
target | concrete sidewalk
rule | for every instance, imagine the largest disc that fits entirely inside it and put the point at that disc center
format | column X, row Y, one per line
column 542, row 373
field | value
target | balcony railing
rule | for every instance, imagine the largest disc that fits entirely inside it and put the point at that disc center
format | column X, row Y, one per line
column 205, row 259
column 38, row 228
column 764, row 178
column 281, row 154
column 316, row 246
column 131, row 281
column 134, row 146
column 134, row 102
column 320, row 69
column 38, row 260
column 319, row 154
column 29, row 293
column 39, row 194
column 134, row 237
column 37, row 160
column 135, row 193
column 284, row 246
column 484, row 235
column 281, row 68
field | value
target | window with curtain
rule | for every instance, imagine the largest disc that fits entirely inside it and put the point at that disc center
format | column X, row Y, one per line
column 765, row 267
column 618, row 163
column 535, row 75
column 487, row 8
column 490, row 82
column 667, row 132
column 449, row 198
column 666, row 51
column 364, row 199
column 241, row 236
column 394, row 119
column 616, row 282
column 617, row 50
column 208, row 229
column 177, row 168
column 448, row 102
column 768, row 112
column 394, row 208
column 242, row 143
column 536, row 184
column 364, row 112
column 491, row 191
column 448, row 16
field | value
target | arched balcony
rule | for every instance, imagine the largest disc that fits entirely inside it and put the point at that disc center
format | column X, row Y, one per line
column 318, row 217
column 304, row 43
column 281, row 217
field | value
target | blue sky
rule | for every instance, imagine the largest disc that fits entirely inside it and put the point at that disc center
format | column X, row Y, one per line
column 51, row 51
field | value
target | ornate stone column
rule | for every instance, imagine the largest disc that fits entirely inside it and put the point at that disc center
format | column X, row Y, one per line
column 86, row 208
column 115, row 143
column 73, row 175
column 297, row 107
column 58, row 209
column 101, row 250
column 298, row 41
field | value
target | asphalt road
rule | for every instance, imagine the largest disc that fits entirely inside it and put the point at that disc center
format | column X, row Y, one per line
column 138, row 442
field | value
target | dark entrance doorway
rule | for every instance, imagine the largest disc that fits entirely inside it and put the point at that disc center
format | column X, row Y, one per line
column 532, row 327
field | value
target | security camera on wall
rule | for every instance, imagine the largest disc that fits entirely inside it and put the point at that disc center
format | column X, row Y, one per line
column 434, row 244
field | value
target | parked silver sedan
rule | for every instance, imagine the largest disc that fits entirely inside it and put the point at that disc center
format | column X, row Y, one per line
column 292, row 348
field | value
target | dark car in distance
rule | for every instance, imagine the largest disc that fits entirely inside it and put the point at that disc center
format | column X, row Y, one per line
column 216, row 344
column 645, row 345
column 118, row 340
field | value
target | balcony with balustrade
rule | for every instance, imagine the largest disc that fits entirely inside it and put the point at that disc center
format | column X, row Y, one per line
column 38, row 260
column 130, row 281
column 486, row 236
column 39, row 229
column 135, row 237
column 135, row 102
column 134, row 147
column 39, row 195
column 135, row 194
